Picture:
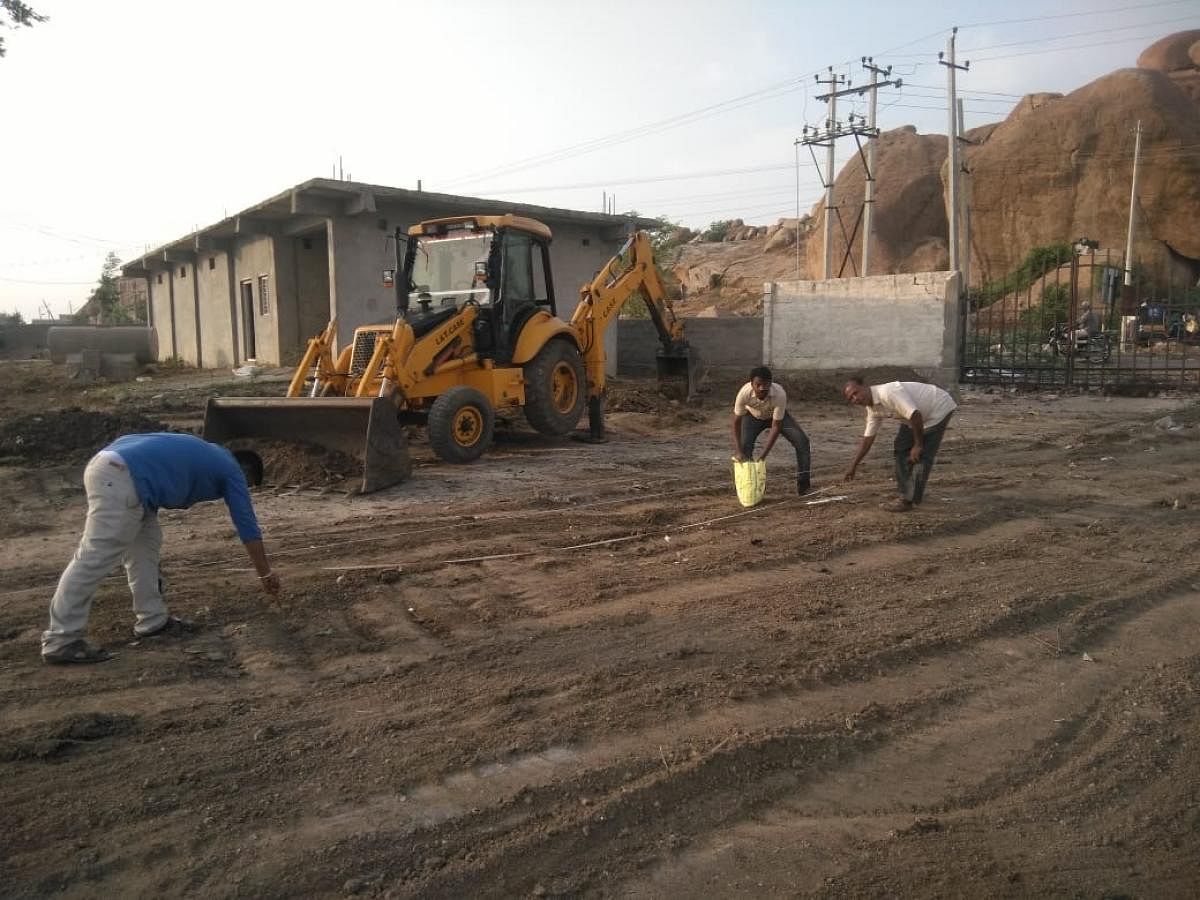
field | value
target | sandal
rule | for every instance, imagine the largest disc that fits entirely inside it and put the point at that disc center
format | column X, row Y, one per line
column 78, row 651
column 172, row 626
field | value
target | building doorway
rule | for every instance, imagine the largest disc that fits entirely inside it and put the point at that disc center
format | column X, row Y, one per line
column 248, row 350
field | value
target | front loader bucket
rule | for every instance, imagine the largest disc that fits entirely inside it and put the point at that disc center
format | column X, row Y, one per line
column 364, row 429
column 679, row 371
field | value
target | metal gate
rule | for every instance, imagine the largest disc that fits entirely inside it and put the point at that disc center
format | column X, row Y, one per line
column 1025, row 330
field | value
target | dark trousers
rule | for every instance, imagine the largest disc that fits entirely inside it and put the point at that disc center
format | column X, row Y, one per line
column 911, row 478
column 752, row 427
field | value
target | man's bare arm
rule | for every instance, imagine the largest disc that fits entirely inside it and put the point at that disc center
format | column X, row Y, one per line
column 258, row 556
column 864, row 447
column 737, row 438
column 917, row 424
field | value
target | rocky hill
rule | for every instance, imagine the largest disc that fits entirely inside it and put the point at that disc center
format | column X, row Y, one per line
column 1056, row 169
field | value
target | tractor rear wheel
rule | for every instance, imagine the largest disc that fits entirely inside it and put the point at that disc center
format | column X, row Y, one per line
column 461, row 423
column 555, row 389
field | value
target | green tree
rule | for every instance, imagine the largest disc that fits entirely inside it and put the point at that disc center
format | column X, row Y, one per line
column 105, row 300
column 716, row 231
column 15, row 14
column 668, row 235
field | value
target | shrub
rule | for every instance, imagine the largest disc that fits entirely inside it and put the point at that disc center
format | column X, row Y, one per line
column 716, row 231
column 1037, row 263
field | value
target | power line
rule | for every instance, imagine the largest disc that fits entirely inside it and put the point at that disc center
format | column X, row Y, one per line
column 1024, row 162
column 589, row 146
column 1076, row 15
column 1132, row 26
column 655, row 179
column 30, row 281
column 1124, row 40
column 73, row 237
column 942, row 88
column 1075, row 34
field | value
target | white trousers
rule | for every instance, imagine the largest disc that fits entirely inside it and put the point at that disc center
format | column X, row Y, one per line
column 119, row 530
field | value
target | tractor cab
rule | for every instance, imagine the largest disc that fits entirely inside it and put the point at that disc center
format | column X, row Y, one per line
column 499, row 264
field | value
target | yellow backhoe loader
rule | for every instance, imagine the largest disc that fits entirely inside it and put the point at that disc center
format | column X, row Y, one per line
column 476, row 331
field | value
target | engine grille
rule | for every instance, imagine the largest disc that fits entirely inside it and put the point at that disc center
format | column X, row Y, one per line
column 364, row 346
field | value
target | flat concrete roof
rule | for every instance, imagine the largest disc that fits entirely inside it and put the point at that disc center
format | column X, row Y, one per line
column 320, row 198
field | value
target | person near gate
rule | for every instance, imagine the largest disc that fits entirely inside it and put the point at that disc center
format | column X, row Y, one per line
column 1087, row 325
column 127, row 483
column 761, row 405
column 924, row 411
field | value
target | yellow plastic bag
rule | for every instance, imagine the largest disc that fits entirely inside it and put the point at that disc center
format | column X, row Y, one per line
column 750, row 479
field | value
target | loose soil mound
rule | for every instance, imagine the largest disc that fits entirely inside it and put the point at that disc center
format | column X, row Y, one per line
column 299, row 462
column 633, row 398
column 67, row 435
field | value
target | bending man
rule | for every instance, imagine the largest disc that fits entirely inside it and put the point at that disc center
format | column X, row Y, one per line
column 924, row 410
column 127, row 483
column 760, row 405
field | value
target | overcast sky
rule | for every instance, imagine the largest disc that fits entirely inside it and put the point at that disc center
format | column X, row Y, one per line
column 129, row 123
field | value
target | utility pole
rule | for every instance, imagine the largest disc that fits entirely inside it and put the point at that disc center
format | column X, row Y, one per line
column 1133, row 200
column 966, row 206
column 799, row 268
column 831, row 127
column 858, row 129
column 869, row 192
column 947, row 60
column 827, row 141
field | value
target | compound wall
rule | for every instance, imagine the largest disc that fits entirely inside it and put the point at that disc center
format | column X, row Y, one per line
column 858, row 323
column 733, row 343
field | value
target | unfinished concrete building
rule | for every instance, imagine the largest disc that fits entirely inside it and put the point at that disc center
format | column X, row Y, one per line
column 258, row 284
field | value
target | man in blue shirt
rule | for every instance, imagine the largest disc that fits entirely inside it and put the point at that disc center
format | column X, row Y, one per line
column 127, row 483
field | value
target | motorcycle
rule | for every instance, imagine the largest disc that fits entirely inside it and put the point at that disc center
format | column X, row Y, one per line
column 1096, row 348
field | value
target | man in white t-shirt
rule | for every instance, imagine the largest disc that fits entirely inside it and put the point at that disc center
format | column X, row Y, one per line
column 924, row 411
column 761, row 405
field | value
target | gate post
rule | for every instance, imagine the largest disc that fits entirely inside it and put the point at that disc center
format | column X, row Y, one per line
column 1072, row 318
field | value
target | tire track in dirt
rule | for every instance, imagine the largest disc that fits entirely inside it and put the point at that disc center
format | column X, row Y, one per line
column 892, row 755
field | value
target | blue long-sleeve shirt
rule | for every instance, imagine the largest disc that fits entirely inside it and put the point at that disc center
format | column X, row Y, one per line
column 175, row 471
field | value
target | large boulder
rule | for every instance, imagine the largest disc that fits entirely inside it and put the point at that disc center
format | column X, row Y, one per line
column 1173, row 53
column 782, row 238
column 1056, row 169
column 1060, row 169
column 909, row 211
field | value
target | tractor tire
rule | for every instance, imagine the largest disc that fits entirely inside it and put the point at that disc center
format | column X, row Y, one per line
column 461, row 424
column 555, row 389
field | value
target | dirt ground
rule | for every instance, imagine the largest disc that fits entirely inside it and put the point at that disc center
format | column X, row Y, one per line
column 584, row 670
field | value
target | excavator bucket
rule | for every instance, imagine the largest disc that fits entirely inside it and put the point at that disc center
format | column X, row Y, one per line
column 364, row 429
column 679, row 371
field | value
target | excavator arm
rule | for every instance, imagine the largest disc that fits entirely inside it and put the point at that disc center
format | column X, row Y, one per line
column 629, row 274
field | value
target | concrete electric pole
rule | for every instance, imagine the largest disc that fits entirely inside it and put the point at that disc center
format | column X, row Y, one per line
column 1133, row 202
column 947, row 60
column 966, row 206
column 869, row 190
column 858, row 128
column 831, row 129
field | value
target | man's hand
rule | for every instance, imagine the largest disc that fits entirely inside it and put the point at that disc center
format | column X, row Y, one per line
column 849, row 474
column 914, row 455
column 739, row 456
column 270, row 583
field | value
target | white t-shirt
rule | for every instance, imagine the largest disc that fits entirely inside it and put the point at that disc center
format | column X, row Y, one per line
column 772, row 408
column 900, row 399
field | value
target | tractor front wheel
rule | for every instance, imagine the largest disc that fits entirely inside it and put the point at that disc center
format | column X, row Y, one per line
column 461, row 424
